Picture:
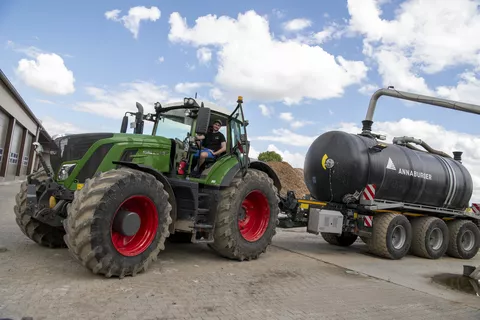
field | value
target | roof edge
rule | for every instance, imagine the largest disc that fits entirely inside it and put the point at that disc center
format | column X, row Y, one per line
column 24, row 105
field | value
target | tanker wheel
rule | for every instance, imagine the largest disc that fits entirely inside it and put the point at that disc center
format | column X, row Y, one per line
column 118, row 222
column 391, row 236
column 464, row 239
column 430, row 237
column 365, row 240
column 343, row 240
column 41, row 233
column 247, row 216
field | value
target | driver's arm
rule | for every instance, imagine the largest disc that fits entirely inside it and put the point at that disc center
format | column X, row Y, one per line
column 222, row 149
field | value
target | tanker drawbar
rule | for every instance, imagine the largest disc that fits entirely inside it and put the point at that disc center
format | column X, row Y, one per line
column 339, row 165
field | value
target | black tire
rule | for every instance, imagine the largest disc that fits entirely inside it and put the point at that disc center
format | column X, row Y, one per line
column 343, row 240
column 458, row 229
column 365, row 240
column 381, row 242
column 426, row 229
column 180, row 237
column 91, row 214
column 229, row 241
column 41, row 233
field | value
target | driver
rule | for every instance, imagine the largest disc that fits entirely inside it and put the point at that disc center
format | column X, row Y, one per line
column 213, row 143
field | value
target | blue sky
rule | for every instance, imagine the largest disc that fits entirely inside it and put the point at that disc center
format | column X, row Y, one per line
column 283, row 55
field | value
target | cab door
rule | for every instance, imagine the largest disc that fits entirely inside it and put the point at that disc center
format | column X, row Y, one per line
column 238, row 136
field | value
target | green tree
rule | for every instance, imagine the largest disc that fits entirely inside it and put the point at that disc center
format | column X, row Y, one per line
column 269, row 156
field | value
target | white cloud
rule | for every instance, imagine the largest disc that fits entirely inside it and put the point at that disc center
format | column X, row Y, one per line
column 216, row 94
column 287, row 116
column 113, row 103
column 368, row 89
column 161, row 59
column 190, row 87
column 204, row 55
column 287, row 137
column 256, row 72
column 266, row 111
column 296, row 159
column 297, row 24
column 134, row 17
column 295, row 124
column 253, row 153
column 278, row 13
column 46, row 73
column 425, row 36
column 45, row 101
column 55, row 127
column 467, row 90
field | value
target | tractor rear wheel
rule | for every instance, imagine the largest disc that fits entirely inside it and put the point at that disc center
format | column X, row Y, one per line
column 41, row 233
column 118, row 222
column 247, row 216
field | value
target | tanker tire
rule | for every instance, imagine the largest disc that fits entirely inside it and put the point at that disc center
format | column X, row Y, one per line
column 422, row 229
column 380, row 243
column 365, row 240
column 457, row 229
column 343, row 240
column 39, row 232
column 91, row 213
column 228, row 241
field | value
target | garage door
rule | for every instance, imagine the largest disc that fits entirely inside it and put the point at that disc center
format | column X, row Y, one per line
column 13, row 159
column 4, row 120
column 26, row 154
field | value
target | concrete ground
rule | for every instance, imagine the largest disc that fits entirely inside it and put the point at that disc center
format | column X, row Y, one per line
column 300, row 277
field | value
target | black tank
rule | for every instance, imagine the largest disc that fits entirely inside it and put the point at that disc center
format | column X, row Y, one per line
column 339, row 164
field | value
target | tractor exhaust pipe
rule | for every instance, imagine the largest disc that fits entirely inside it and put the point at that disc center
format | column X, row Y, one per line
column 449, row 104
column 139, row 119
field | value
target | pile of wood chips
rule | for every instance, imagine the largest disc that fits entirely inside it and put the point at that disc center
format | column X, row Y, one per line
column 290, row 178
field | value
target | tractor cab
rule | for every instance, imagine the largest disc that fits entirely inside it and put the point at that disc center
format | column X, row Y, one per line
column 183, row 122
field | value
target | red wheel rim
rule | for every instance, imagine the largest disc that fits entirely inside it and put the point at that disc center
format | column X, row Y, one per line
column 257, row 215
column 138, row 243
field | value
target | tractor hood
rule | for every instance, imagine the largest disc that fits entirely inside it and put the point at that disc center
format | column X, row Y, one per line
column 73, row 147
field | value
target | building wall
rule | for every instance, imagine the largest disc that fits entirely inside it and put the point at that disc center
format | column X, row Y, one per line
column 4, row 121
column 19, row 128
column 14, row 154
column 12, row 106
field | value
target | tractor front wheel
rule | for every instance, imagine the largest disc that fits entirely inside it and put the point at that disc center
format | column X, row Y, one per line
column 247, row 216
column 118, row 222
column 41, row 233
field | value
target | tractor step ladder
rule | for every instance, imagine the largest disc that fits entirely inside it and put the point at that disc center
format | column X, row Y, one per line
column 203, row 226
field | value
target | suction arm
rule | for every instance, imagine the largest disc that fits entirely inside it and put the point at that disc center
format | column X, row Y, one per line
column 449, row 104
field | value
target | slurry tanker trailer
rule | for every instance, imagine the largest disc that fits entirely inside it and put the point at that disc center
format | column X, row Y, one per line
column 396, row 197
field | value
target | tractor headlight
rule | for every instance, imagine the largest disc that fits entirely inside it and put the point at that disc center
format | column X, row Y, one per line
column 65, row 171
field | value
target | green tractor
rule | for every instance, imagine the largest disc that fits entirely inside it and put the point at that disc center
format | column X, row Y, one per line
column 114, row 198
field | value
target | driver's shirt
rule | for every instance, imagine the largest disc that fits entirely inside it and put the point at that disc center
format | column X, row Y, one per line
column 213, row 140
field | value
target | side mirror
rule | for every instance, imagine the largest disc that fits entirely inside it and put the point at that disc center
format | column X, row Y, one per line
column 243, row 138
column 203, row 119
column 123, row 128
column 246, row 123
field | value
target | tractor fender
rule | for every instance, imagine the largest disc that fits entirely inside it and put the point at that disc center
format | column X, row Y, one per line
column 253, row 164
column 160, row 177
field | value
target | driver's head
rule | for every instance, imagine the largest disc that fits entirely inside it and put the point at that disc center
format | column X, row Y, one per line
column 217, row 125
